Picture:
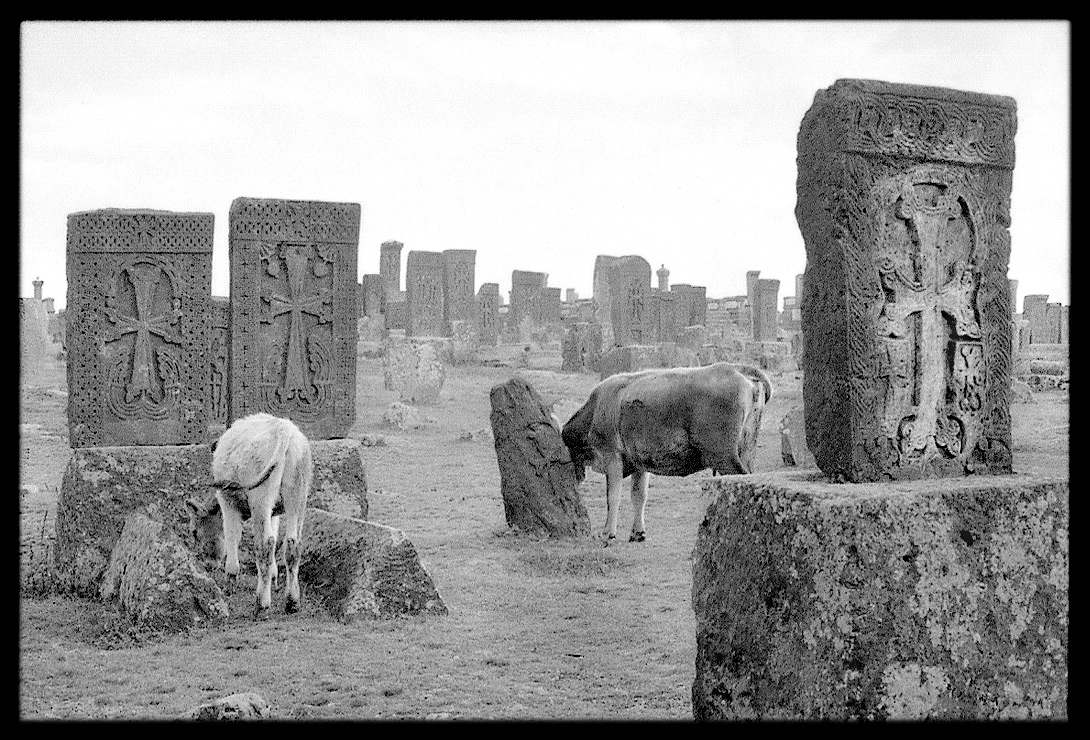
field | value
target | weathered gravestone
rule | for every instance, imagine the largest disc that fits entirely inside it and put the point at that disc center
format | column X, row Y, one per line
column 526, row 297
column 692, row 304
column 488, row 307
column 371, row 295
column 537, row 479
column 219, row 356
column 550, row 307
column 622, row 297
column 906, row 280
column 581, row 350
column 389, row 267
column 294, row 312
column 458, row 281
column 424, row 295
column 1033, row 311
column 665, row 316
column 139, row 294
column 414, row 367
column 766, row 316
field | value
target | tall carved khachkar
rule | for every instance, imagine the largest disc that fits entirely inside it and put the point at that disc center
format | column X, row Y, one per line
column 424, row 295
column 294, row 309
column 488, row 308
column 903, row 203
column 459, row 279
column 390, row 269
column 139, row 289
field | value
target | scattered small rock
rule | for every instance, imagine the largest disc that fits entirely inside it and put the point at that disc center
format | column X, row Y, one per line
column 373, row 440
column 476, row 435
column 244, row 706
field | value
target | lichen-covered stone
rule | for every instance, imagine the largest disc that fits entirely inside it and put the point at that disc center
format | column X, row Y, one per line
column 537, row 479
column 156, row 579
column 902, row 600
column 340, row 480
column 103, row 485
column 364, row 570
column 414, row 368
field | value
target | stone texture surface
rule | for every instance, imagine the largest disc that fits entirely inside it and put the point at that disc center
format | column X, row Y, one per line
column 537, row 479
column 905, row 600
column 581, row 349
column 364, row 570
column 403, row 417
column 629, row 359
column 103, row 485
column 236, row 707
column 156, row 579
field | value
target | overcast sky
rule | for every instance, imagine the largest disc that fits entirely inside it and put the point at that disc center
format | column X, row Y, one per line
column 539, row 144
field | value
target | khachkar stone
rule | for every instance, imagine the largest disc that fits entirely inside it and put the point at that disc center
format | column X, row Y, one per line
column 903, row 203
column 389, row 268
column 424, row 295
column 526, row 296
column 765, row 324
column 458, row 280
column 139, row 292
column 219, row 355
column 550, row 307
column 1033, row 311
column 294, row 312
column 664, row 316
column 751, row 298
column 692, row 304
column 371, row 295
column 622, row 297
column 488, row 306
column 1052, row 323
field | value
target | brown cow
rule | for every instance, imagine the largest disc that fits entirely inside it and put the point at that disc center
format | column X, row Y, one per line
column 674, row 421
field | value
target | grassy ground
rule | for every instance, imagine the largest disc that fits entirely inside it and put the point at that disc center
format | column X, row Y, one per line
column 537, row 629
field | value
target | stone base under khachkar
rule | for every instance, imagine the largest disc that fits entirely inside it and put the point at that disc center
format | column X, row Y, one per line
column 102, row 486
column 903, row 600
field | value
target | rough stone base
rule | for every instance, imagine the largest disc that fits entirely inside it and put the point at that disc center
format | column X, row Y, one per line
column 236, row 707
column 904, row 600
column 103, row 485
column 363, row 570
column 156, row 579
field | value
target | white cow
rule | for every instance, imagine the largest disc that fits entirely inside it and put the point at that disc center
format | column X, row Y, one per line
column 263, row 467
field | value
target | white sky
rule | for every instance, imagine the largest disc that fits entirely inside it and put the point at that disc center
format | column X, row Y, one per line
column 539, row 144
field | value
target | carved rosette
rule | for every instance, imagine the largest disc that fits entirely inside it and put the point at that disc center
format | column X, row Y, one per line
column 903, row 201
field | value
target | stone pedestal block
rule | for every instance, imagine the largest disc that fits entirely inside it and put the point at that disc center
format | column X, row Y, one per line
column 155, row 577
column 103, row 485
column 902, row 600
column 537, row 479
column 364, row 570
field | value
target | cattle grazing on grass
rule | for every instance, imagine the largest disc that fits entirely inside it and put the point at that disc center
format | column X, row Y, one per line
column 673, row 422
column 262, row 467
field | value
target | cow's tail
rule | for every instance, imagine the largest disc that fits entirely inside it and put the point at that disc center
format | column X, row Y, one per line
column 759, row 375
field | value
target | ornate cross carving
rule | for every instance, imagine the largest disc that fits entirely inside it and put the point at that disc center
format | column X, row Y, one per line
column 931, row 296
column 297, row 303
column 145, row 279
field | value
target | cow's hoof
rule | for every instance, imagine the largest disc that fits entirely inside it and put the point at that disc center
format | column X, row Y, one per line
column 637, row 537
column 610, row 539
column 261, row 612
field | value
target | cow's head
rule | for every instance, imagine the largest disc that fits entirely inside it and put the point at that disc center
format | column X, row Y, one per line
column 206, row 529
column 576, row 438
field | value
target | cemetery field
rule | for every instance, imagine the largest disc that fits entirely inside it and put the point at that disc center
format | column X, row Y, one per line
column 537, row 629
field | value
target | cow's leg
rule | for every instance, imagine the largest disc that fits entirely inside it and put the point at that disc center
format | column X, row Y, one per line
column 614, row 476
column 274, row 569
column 296, row 486
column 262, row 500
column 639, row 505
column 232, row 536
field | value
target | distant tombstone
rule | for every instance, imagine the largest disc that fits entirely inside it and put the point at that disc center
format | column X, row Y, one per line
column 294, row 312
column 692, row 304
column 550, row 306
column 1052, row 323
column 371, row 295
column 1064, row 325
column 488, row 307
column 526, row 296
column 458, row 280
column 581, row 349
column 219, row 356
column 665, row 313
column 396, row 313
column 664, row 279
column 765, row 326
column 1014, row 296
column 390, row 270
column 570, row 296
column 751, row 300
column 622, row 290
column 424, row 294
column 906, row 280
column 1033, row 311
column 139, row 293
